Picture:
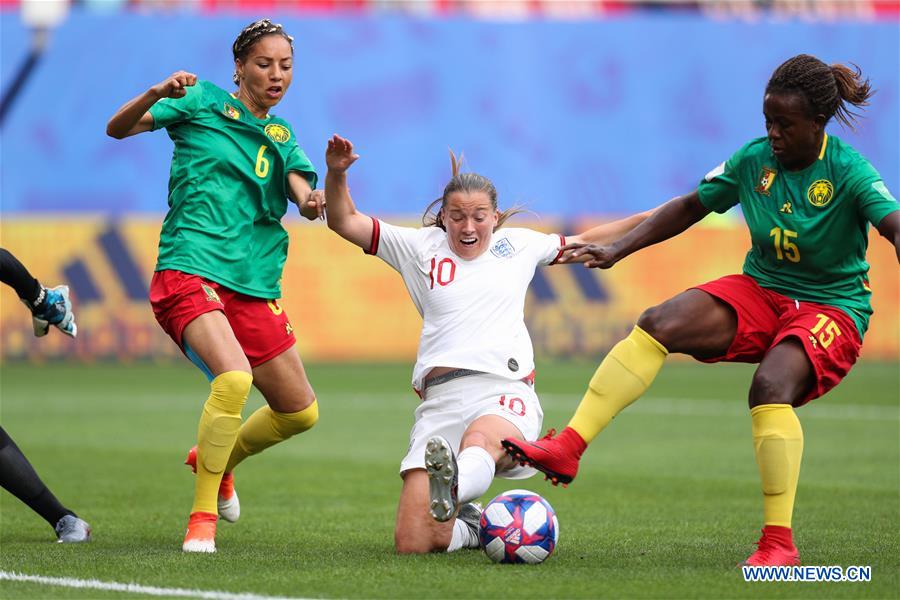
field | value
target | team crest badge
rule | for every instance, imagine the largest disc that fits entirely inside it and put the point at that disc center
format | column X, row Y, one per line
column 766, row 178
column 278, row 133
column 230, row 111
column 503, row 249
column 820, row 192
column 211, row 295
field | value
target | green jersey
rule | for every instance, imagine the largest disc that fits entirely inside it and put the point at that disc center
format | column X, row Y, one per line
column 808, row 228
column 227, row 190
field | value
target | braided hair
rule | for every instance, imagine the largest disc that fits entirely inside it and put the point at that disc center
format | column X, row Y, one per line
column 251, row 34
column 827, row 89
column 467, row 183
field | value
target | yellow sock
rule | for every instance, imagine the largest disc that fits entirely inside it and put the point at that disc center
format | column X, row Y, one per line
column 778, row 442
column 266, row 428
column 625, row 374
column 219, row 424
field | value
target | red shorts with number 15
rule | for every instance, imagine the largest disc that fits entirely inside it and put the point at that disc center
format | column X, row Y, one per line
column 765, row 318
column 261, row 326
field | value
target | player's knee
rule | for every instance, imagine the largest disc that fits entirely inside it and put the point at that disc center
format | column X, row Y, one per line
column 289, row 424
column 768, row 388
column 657, row 323
column 232, row 385
column 474, row 438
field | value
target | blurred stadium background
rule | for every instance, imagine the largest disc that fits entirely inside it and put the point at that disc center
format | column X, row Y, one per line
column 579, row 110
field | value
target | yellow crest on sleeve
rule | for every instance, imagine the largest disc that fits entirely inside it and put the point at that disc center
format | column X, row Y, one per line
column 820, row 192
column 278, row 133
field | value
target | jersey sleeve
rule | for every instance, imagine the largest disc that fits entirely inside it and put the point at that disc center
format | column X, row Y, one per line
column 298, row 161
column 550, row 248
column 169, row 111
column 874, row 200
column 394, row 245
column 718, row 190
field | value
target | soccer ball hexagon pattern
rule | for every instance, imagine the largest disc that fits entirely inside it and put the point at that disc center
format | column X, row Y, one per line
column 518, row 526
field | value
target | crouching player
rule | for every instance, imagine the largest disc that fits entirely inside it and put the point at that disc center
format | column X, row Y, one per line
column 475, row 367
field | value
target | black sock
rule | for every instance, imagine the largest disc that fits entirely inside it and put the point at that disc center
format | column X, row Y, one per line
column 14, row 274
column 18, row 477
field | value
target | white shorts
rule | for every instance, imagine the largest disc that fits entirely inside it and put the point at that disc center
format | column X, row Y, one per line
column 449, row 408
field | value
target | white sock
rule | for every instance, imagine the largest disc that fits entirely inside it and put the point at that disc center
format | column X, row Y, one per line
column 463, row 537
column 476, row 472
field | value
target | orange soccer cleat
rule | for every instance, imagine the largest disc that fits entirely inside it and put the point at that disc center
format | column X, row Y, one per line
column 775, row 548
column 201, row 533
column 556, row 457
column 227, row 502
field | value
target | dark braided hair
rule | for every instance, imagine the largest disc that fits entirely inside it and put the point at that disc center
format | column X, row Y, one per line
column 468, row 183
column 251, row 34
column 827, row 89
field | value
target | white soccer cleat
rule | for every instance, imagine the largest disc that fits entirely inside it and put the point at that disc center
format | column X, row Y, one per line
column 72, row 530
column 230, row 508
column 443, row 482
column 470, row 514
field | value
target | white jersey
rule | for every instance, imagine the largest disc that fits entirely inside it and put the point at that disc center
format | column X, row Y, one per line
column 473, row 311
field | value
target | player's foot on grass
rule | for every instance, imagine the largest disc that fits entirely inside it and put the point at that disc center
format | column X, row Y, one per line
column 556, row 457
column 443, row 477
column 53, row 308
column 774, row 549
column 227, row 501
column 201, row 533
column 72, row 530
column 470, row 514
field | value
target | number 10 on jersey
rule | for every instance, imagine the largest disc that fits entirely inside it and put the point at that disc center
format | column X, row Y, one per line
column 442, row 271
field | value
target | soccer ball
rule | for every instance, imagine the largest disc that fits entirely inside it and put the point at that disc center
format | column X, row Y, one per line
column 518, row 526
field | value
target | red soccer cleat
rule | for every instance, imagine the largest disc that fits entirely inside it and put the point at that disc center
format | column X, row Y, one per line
column 774, row 549
column 556, row 457
column 227, row 502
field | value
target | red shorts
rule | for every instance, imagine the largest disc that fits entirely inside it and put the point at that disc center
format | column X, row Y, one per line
column 260, row 326
column 765, row 318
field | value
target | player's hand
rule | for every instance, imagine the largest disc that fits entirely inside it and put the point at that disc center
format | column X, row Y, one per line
column 314, row 206
column 591, row 255
column 174, row 86
column 339, row 154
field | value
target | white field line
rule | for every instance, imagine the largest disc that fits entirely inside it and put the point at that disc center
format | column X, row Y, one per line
column 132, row 588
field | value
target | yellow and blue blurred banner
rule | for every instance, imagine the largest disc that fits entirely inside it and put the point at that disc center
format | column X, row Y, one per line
column 345, row 305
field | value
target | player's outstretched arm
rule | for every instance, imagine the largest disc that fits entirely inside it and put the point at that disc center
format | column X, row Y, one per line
column 132, row 118
column 607, row 233
column 889, row 227
column 665, row 222
column 342, row 216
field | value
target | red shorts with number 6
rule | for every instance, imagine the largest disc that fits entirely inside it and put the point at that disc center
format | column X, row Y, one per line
column 261, row 326
column 765, row 318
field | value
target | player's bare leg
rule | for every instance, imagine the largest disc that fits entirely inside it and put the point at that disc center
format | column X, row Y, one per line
column 416, row 532
column 783, row 379
column 692, row 322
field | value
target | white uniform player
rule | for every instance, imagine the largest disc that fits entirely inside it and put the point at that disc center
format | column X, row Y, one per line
column 468, row 278
column 473, row 315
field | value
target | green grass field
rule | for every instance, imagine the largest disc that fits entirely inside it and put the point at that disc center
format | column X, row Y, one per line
column 666, row 503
